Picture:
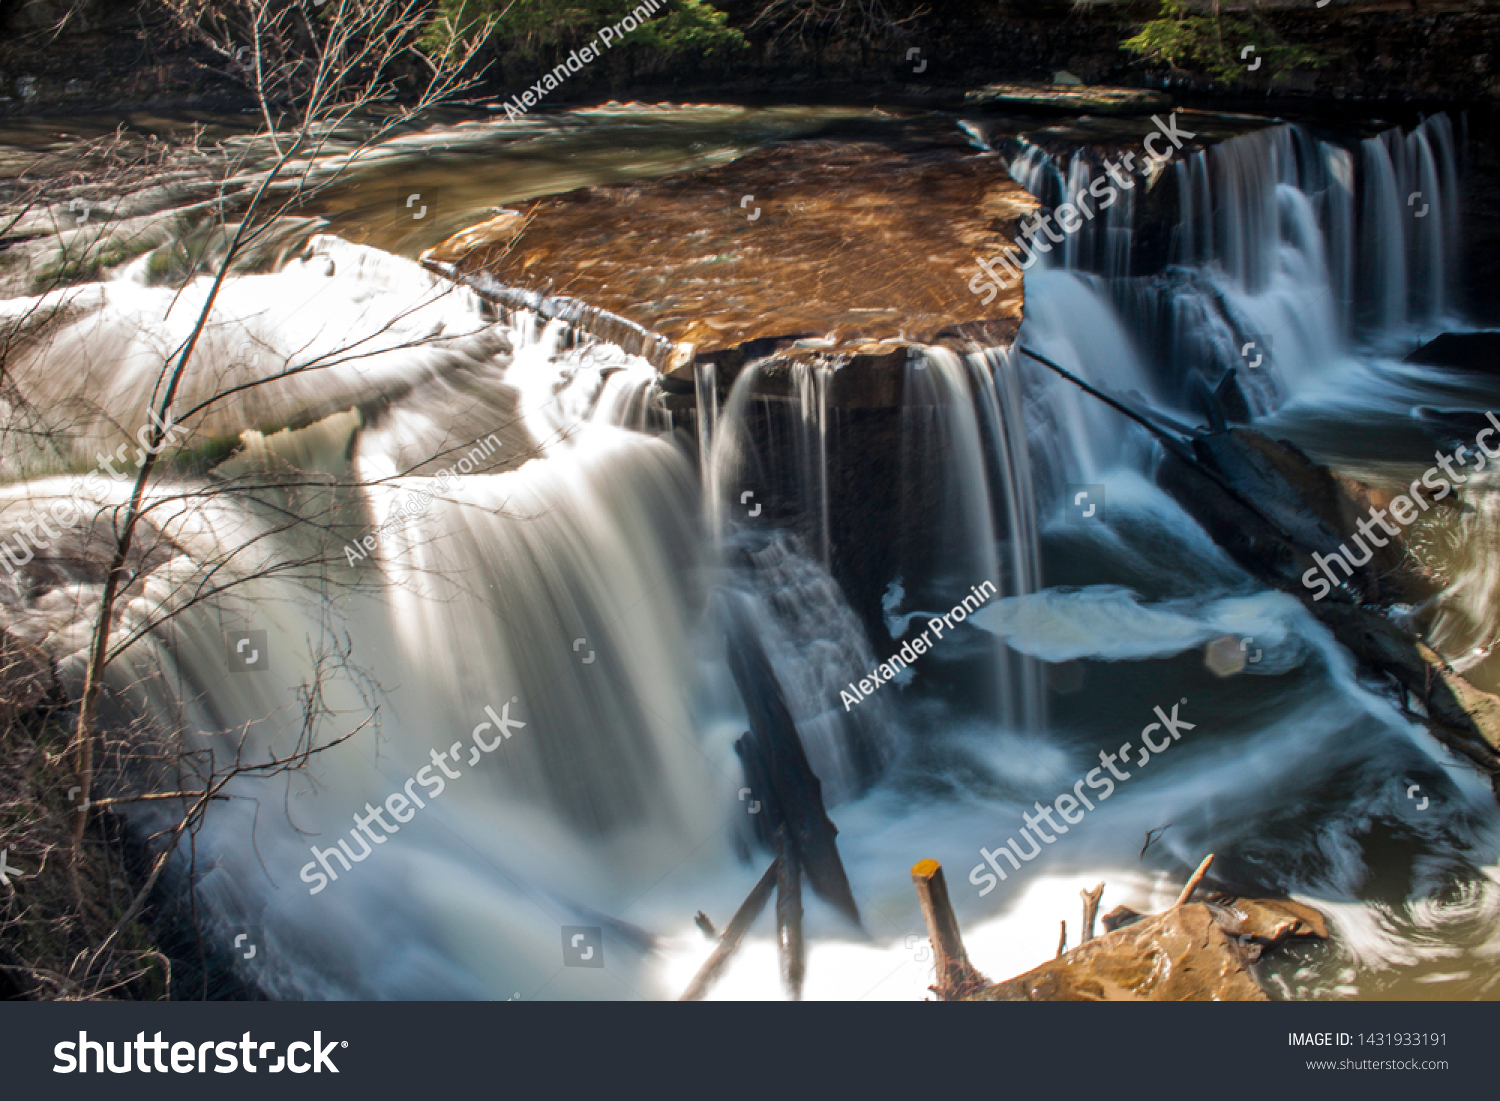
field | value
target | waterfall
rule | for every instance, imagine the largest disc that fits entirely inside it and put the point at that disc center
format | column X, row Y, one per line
column 767, row 480
column 811, row 385
column 556, row 567
column 951, row 405
column 1080, row 244
column 1271, row 274
column 1409, row 228
column 817, row 647
column 1383, row 240
column 1071, row 320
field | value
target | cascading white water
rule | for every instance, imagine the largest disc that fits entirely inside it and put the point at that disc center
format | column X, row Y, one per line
column 1071, row 320
column 1384, row 239
column 943, row 454
column 1266, row 251
column 1410, row 225
column 811, row 385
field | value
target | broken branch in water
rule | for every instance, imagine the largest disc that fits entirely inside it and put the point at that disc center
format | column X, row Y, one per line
column 1090, row 911
column 734, row 932
column 1152, row 836
column 1196, row 878
column 789, row 946
column 956, row 976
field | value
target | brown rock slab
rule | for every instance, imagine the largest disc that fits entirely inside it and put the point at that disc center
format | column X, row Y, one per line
column 491, row 236
column 1180, row 955
column 848, row 247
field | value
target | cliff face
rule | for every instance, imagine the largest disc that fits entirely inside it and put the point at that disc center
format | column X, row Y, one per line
column 1380, row 50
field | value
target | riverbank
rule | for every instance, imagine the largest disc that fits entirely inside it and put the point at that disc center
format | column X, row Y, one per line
column 923, row 54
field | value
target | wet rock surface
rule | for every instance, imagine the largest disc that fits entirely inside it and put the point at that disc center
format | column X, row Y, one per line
column 1095, row 100
column 1180, row 955
column 1193, row 952
column 849, row 245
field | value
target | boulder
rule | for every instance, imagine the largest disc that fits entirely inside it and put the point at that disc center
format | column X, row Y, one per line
column 1460, row 351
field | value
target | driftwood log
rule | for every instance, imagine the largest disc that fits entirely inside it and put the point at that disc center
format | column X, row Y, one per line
column 1312, row 509
column 733, row 933
column 955, row 976
column 1271, row 508
column 1190, row 952
column 1181, row 954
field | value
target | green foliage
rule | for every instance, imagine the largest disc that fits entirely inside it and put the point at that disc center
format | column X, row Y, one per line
column 529, row 28
column 1209, row 44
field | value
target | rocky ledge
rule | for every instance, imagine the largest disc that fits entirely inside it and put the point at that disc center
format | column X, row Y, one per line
column 844, row 247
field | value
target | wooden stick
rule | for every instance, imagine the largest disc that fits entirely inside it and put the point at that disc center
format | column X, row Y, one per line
column 1090, row 911
column 733, row 933
column 1192, row 884
column 789, row 916
column 956, row 976
column 1062, row 939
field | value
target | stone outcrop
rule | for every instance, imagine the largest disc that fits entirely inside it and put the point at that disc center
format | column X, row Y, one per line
column 848, row 246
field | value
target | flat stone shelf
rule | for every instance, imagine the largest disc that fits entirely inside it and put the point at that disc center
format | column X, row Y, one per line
column 1093, row 99
column 849, row 245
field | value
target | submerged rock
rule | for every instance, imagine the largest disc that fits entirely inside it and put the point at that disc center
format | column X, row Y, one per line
column 1461, row 351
